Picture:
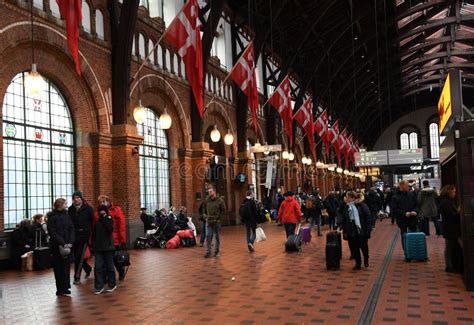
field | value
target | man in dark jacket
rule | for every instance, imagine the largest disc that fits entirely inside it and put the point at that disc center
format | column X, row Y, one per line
column 104, row 248
column 374, row 202
column 216, row 210
column 81, row 215
column 249, row 216
column 331, row 203
column 314, row 206
column 428, row 209
column 404, row 207
column 148, row 220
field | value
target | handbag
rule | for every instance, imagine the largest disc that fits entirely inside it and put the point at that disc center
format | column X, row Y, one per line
column 260, row 235
column 121, row 258
column 27, row 261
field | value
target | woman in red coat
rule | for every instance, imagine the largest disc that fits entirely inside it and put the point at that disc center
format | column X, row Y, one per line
column 120, row 229
column 289, row 213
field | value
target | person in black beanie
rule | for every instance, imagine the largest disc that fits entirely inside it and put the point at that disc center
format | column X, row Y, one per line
column 82, row 216
column 61, row 230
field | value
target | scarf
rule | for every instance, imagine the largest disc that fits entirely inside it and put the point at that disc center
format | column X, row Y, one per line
column 354, row 215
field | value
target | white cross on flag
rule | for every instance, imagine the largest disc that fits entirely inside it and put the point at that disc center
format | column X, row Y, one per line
column 321, row 127
column 244, row 75
column 304, row 117
column 184, row 34
column 342, row 144
column 281, row 101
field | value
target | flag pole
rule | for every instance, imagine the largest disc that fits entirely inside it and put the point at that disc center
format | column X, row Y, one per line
column 213, row 98
column 158, row 42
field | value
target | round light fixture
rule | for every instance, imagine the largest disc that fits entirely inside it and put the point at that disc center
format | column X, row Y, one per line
column 331, row 169
column 291, row 156
column 215, row 134
column 319, row 164
column 165, row 121
column 33, row 82
column 285, row 154
column 257, row 144
column 276, row 157
column 346, row 172
column 267, row 150
column 139, row 113
column 228, row 138
column 304, row 161
column 339, row 170
column 309, row 161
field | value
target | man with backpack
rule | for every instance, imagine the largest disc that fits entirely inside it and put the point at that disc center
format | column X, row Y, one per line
column 249, row 216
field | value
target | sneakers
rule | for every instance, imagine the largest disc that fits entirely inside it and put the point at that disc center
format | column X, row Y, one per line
column 77, row 281
column 88, row 274
column 207, row 255
column 201, row 244
column 98, row 291
column 356, row 268
column 217, row 254
column 250, row 248
column 111, row 289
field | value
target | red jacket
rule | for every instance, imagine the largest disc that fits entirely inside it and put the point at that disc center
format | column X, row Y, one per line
column 120, row 229
column 290, row 211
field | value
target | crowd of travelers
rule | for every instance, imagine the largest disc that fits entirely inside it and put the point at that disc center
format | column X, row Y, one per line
column 74, row 233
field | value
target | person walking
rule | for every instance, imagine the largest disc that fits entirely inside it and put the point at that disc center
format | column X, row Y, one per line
column 216, row 210
column 61, row 231
column 120, row 232
column 202, row 218
column 289, row 214
column 314, row 207
column 404, row 207
column 331, row 204
column 82, row 216
column 249, row 216
column 427, row 198
column 374, row 202
column 104, row 248
column 356, row 226
column 449, row 211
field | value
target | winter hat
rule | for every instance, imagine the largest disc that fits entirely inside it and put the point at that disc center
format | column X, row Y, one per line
column 77, row 193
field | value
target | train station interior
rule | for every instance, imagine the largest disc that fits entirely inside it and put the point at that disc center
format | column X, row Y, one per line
column 237, row 162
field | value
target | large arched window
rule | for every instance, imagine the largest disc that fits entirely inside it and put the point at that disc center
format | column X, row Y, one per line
column 99, row 24
column 434, row 140
column 38, row 151
column 413, row 140
column 154, row 164
column 86, row 16
column 404, row 143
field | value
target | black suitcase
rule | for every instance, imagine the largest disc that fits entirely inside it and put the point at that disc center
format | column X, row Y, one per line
column 41, row 255
column 293, row 243
column 333, row 250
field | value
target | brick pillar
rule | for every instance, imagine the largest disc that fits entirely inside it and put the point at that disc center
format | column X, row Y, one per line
column 198, row 160
column 126, row 176
column 242, row 165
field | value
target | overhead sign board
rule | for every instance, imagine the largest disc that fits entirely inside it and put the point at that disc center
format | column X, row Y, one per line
column 265, row 148
column 450, row 102
column 405, row 157
column 444, row 106
column 370, row 158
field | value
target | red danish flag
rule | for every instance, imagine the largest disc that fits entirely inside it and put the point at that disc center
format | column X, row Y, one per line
column 244, row 75
column 281, row 101
column 304, row 117
column 184, row 34
column 71, row 11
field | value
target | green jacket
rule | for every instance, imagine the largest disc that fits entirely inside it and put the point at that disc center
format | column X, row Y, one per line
column 215, row 210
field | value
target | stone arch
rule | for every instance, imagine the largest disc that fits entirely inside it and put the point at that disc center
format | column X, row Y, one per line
column 153, row 81
column 51, row 50
column 223, row 121
column 251, row 130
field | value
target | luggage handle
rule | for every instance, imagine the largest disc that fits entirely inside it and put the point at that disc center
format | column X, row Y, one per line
column 38, row 240
column 298, row 228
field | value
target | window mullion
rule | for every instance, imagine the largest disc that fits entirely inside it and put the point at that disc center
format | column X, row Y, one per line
column 27, row 203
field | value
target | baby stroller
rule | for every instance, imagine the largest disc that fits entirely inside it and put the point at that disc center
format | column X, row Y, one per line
column 159, row 236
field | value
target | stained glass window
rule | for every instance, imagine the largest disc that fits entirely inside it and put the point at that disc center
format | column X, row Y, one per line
column 38, row 151
column 154, row 164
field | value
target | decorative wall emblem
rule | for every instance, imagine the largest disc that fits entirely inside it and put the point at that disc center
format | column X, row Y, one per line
column 38, row 135
column 37, row 105
column 10, row 130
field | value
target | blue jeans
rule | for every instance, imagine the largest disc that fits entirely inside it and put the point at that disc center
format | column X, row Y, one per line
column 316, row 220
column 250, row 229
column 203, row 231
column 104, row 264
column 212, row 230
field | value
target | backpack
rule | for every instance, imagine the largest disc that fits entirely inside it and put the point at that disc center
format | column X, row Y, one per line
column 243, row 211
column 309, row 203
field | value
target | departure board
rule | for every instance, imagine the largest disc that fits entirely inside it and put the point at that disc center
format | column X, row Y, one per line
column 370, row 158
column 405, row 157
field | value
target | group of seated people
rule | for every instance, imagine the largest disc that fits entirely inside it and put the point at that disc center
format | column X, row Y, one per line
column 152, row 221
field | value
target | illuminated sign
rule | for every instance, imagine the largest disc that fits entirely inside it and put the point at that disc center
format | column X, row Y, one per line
column 370, row 158
column 444, row 106
column 405, row 156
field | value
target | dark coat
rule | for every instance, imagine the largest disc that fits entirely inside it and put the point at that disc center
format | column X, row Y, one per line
column 60, row 228
column 374, row 201
column 451, row 218
column 427, row 203
column 317, row 205
column 348, row 226
column 404, row 202
column 82, row 219
column 147, row 220
column 20, row 238
column 102, row 234
column 248, row 212
column 331, row 204
column 38, row 231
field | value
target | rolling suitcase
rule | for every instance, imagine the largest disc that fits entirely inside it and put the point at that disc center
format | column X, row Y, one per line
column 415, row 246
column 306, row 234
column 333, row 250
column 293, row 243
column 41, row 255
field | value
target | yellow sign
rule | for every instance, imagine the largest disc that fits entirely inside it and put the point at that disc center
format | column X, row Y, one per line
column 444, row 106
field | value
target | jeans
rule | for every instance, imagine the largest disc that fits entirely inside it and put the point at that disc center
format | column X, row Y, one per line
column 356, row 245
column 61, row 267
column 437, row 225
column 316, row 220
column 80, row 264
column 211, row 231
column 203, row 231
column 403, row 231
column 290, row 229
column 104, row 265
column 250, row 230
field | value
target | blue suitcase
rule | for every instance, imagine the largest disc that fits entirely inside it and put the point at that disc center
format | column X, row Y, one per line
column 415, row 246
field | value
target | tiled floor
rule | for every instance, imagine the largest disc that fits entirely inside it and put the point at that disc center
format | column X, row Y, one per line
column 270, row 287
